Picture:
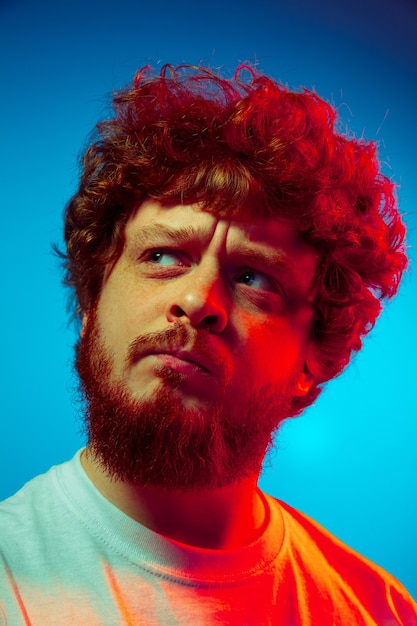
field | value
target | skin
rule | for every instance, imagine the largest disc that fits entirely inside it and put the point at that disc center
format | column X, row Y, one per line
column 251, row 284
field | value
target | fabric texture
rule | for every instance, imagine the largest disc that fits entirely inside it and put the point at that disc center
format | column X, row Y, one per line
column 69, row 557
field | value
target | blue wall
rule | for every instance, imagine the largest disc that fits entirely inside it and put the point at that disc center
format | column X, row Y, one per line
column 351, row 460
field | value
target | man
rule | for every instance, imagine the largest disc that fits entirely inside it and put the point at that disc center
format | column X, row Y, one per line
column 228, row 250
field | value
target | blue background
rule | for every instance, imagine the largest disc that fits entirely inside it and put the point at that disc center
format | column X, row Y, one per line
column 350, row 461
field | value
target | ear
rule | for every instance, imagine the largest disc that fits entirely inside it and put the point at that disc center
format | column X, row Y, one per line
column 304, row 383
column 83, row 324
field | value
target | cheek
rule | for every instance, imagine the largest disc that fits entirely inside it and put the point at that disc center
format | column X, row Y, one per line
column 124, row 311
column 281, row 358
column 273, row 349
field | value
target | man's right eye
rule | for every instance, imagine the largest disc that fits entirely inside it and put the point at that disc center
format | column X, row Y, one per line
column 165, row 258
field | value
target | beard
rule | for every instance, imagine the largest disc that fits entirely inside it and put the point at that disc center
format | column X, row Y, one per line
column 157, row 441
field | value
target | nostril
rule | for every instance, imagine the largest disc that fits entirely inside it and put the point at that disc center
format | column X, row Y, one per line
column 177, row 311
column 210, row 321
column 202, row 309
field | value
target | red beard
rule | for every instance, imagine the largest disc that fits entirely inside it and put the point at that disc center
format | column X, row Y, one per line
column 157, row 441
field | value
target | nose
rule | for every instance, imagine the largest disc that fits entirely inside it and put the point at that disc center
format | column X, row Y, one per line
column 202, row 300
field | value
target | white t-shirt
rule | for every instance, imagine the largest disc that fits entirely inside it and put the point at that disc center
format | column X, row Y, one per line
column 69, row 557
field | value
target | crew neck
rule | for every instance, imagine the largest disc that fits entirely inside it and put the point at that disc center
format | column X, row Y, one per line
column 156, row 553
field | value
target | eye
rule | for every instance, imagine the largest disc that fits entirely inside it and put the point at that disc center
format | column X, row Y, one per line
column 256, row 280
column 166, row 258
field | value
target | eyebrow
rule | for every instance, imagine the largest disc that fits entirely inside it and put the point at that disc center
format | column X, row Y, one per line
column 161, row 232
column 190, row 233
column 250, row 253
column 266, row 257
column 276, row 262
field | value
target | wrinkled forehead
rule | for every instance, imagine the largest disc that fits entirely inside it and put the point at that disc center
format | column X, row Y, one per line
column 251, row 224
column 201, row 223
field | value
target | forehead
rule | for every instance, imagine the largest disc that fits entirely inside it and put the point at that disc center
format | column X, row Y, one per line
column 275, row 240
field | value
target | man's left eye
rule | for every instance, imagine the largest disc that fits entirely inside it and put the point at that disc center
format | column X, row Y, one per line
column 256, row 280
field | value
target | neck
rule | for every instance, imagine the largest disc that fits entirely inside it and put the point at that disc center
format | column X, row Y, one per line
column 224, row 518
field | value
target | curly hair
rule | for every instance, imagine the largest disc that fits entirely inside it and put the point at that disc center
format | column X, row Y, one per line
column 244, row 145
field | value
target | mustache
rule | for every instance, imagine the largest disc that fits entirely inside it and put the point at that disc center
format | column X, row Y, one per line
column 177, row 337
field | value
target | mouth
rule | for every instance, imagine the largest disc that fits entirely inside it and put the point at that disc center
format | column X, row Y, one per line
column 183, row 360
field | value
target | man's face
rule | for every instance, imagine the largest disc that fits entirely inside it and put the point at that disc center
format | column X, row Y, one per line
column 196, row 346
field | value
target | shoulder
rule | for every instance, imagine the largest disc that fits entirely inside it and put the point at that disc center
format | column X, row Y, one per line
column 304, row 532
column 333, row 570
column 33, row 508
column 27, row 500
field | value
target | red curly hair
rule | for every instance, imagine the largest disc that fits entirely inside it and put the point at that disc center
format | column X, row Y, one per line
column 187, row 135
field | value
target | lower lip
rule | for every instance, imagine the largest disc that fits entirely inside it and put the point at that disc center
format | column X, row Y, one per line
column 180, row 365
